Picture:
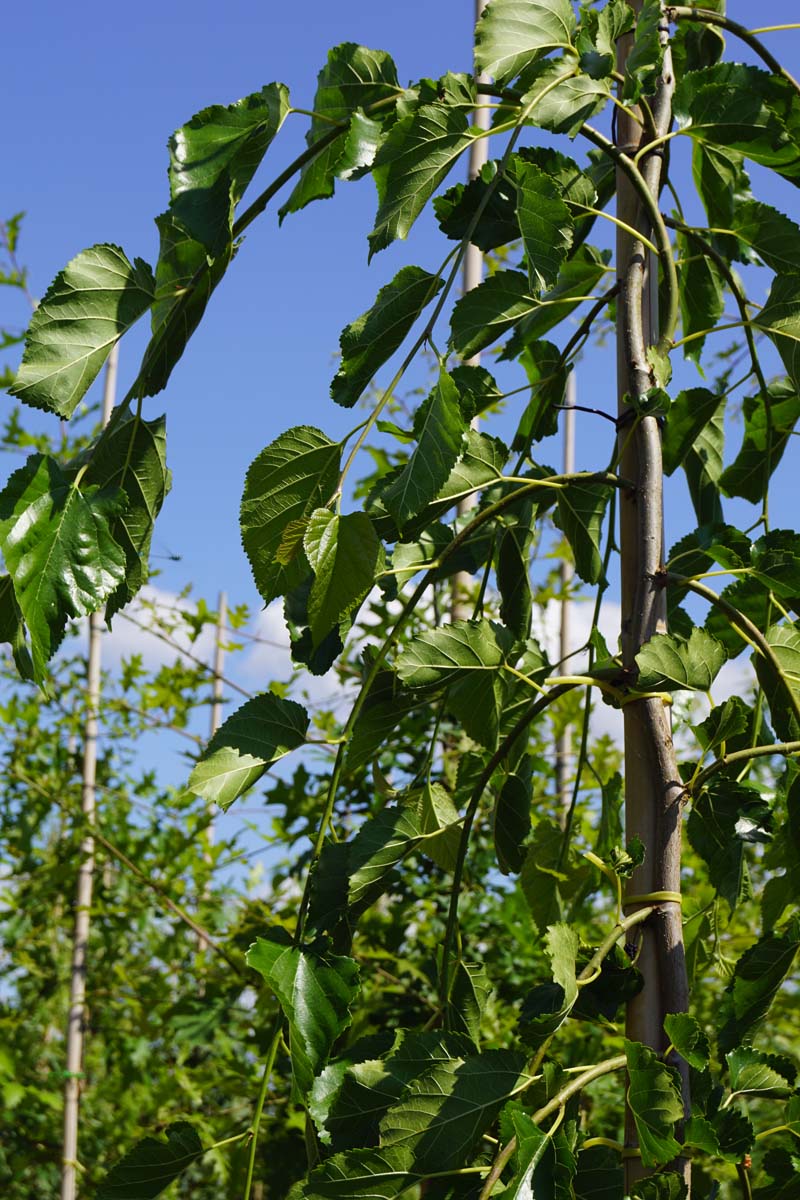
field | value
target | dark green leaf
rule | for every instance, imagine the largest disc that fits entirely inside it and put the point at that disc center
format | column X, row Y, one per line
column 440, row 825
column 327, row 1086
column 688, row 1038
column 353, row 78
column 514, row 584
column 513, row 34
column 577, row 280
column 688, row 415
column 598, row 34
column 373, row 337
column 386, row 704
column 469, row 994
column 750, row 597
column 512, row 823
column 758, row 975
column 774, row 237
column 723, row 726
column 417, row 154
column 361, row 1175
column 185, row 279
column 246, row 744
column 547, row 375
column 439, row 430
column 347, row 557
column 290, row 478
column 703, row 467
column 545, row 224
column 86, row 309
column 315, row 994
column 664, row 1186
column 444, row 1113
column 599, row 1175
column 131, row 454
column 701, row 295
column 489, row 310
column 531, row 1145
column 58, row 549
column 560, row 98
column 667, row 663
column 654, row 1098
column 780, row 319
column 214, row 157
column 152, row 1165
column 785, row 643
column 497, row 225
column 580, row 509
column 12, row 629
column 724, row 817
column 755, row 1074
column 643, row 63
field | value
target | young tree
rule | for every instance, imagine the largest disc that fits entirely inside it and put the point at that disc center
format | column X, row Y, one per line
column 435, row 795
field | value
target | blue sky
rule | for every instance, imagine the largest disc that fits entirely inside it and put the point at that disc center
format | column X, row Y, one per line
column 92, row 93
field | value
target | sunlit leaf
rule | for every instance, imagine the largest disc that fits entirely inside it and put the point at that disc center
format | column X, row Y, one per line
column 513, row 34
column 655, row 1101
column 668, row 663
column 346, row 557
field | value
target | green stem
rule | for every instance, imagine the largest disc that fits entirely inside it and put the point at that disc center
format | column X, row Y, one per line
column 260, row 1102
column 726, row 760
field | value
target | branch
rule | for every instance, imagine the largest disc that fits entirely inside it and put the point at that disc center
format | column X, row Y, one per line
column 705, row 16
column 726, row 760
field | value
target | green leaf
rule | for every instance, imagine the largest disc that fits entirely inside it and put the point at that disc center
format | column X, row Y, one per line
column 86, row 309
column 214, row 157
column 444, row 655
column 469, row 993
column 754, row 1074
column 512, row 823
column 560, row 99
column 780, row 319
column 688, row 415
column 386, row 705
column 443, row 1115
column 372, row 338
column 599, row 1175
column 531, row 1145
column 57, row 544
column 131, row 454
column 327, row 1087
column 353, row 78
column 547, row 375
column 785, row 643
column 361, row 1175
column 440, row 825
column 418, row 152
column 580, row 509
column 545, row 224
column 439, row 430
column 513, row 34
column 513, row 583
column 756, row 980
column 12, row 629
column 643, row 62
column 152, row 1165
column 703, row 468
column 725, row 817
column 774, row 237
column 315, row 994
column 724, row 725
column 665, row 1186
column 185, row 279
column 701, row 295
column 548, row 877
column 484, row 314
column 654, row 1099
column 347, row 557
column 688, row 1038
column 497, row 224
column 598, row 34
column 578, row 278
column 776, row 562
column 263, row 730
column 668, row 663
column 290, row 478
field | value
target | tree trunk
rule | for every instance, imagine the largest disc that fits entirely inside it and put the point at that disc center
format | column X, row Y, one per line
column 76, row 1020
column 652, row 783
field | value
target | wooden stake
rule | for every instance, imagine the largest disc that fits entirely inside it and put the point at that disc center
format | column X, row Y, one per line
column 76, row 1020
column 564, row 743
column 652, row 781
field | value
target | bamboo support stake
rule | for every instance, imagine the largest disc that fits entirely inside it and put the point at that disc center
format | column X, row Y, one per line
column 461, row 609
column 219, row 664
column 563, row 745
column 652, row 782
column 76, row 1020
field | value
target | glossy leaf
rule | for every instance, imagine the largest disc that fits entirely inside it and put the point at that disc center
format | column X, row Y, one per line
column 152, row 1165
column 439, row 430
column 214, row 157
column 545, row 224
column 599, row 1175
column 290, row 478
column 361, row 1175
column 442, row 655
column 667, row 663
column 418, row 152
column 58, row 549
column 346, row 557
column 444, row 1113
column 353, row 78
column 688, row 415
column 131, row 454
column 89, row 305
column 754, row 1074
column 758, row 975
column 315, row 994
column 774, row 237
column 372, row 338
column 12, row 628
column 513, row 34
column 688, row 1039
column 598, row 34
column 263, row 730
column 580, row 509
column 531, row 1145
column 655, row 1101
column 561, row 99
column 489, row 310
